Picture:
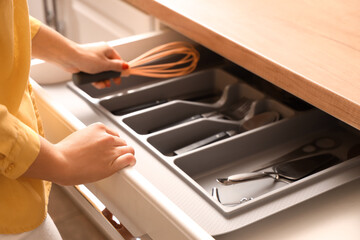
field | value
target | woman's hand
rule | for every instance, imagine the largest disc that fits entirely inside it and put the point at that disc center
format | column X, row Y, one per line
column 95, row 58
column 51, row 46
column 87, row 155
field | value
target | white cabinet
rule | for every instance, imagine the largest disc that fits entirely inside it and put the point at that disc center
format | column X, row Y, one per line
column 86, row 21
column 37, row 9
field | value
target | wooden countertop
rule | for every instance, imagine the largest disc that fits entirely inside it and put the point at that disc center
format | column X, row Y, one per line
column 311, row 48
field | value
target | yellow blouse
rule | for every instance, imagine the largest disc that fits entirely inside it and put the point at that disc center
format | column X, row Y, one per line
column 23, row 201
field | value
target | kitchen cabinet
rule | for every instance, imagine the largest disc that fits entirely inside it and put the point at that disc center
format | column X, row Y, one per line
column 86, row 21
column 175, row 202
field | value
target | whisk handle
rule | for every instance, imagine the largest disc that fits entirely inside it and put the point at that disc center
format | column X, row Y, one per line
column 81, row 78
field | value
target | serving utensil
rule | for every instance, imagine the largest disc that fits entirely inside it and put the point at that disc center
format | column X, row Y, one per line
column 312, row 147
column 241, row 107
column 292, row 170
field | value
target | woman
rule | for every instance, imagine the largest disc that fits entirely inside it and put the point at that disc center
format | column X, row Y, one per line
column 28, row 162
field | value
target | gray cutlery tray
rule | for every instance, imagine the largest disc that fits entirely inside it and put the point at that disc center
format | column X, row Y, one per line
column 194, row 131
column 190, row 132
column 247, row 152
column 243, row 152
column 179, row 110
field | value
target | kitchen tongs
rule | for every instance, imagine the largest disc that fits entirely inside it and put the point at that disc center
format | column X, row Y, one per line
column 144, row 64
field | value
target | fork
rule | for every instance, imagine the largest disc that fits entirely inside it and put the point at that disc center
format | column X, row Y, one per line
column 239, row 110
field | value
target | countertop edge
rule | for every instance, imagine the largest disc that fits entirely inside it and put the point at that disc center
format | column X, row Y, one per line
column 319, row 96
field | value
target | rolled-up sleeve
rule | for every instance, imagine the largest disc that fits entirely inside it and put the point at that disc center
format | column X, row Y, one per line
column 19, row 145
column 34, row 26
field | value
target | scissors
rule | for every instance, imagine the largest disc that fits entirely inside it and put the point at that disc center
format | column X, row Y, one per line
column 315, row 146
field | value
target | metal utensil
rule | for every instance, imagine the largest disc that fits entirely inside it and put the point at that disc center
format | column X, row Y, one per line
column 259, row 120
column 315, row 146
column 213, row 138
column 241, row 107
column 239, row 110
column 292, row 170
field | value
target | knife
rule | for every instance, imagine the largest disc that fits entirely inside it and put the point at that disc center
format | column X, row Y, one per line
column 257, row 121
column 214, row 138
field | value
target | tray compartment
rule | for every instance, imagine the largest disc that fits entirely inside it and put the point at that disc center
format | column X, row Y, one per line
column 174, row 111
column 177, row 111
column 208, row 60
column 185, row 134
column 201, row 86
column 245, row 153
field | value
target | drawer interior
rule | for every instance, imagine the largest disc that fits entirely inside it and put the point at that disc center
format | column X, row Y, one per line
column 206, row 86
column 251, row 151
column 191, row 125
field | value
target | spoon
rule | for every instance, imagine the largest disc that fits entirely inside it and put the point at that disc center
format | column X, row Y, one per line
column 260, row 120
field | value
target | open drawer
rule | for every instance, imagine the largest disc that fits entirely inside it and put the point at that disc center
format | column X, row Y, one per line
column 185, row 139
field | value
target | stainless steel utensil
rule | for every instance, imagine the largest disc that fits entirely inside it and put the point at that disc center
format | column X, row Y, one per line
column 292, row 170
column 315, row 146
column 240, row 108
column 259, row 120
column 213, row 138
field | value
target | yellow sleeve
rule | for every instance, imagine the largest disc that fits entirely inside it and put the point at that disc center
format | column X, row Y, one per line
column 19, row 145
column 34, row 25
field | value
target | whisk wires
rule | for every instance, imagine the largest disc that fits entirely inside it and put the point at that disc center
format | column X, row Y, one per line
column 186, row 64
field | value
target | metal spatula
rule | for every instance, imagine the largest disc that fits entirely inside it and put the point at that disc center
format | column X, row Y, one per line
column 293, row 170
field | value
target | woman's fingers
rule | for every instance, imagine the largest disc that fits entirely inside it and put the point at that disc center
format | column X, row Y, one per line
column 127, row 159
column 117, row 80
column 109, row 130
column 97, row 58
column 111, row 53
column 122, row 150
column 99, row 85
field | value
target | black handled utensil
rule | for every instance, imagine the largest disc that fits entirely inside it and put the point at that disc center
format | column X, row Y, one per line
column 81, row 78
